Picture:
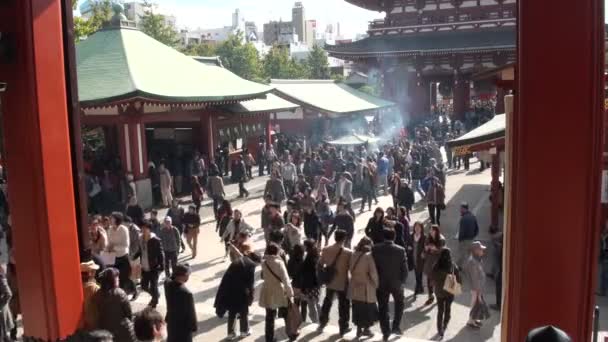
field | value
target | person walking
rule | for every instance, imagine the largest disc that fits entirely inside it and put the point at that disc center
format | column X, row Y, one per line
column 310, row 286
column 362, row 288
column 170, row 238
column 148, row 325
column 443, row 267
column 114, row 309
column 197, row 168
column 434, row 242
column 249, row 162
column 118, row 244
column 467, row 232
column 192, row 223
column 166, row 185
column 477, row 278
column 236, row 225
column 274, row 188
column 382, row 171
column 289, row 172
column 235, row 293
column 312, row 224
column 367, row 188
column 338, row 256
column 391, row 264
column 216, row 190
column 344, row 188
column 405, row 197
column 152, row 261
column 417, row 251
column 345, row 222
column 197, row 193
column 240, row 175
column 90, row 287
column 435, row 198
column 375, row 225
column 293, row 232
column 276, row 292
column 181, row 315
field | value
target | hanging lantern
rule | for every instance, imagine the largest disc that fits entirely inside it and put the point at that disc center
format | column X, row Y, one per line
column 445, row 89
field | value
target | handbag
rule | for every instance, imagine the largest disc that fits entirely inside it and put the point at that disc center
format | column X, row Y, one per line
column 451, row 284
column 480, row 310
column 293, row 321
column 327, row 273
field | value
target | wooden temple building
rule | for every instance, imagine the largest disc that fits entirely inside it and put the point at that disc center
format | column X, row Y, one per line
column 421, row 47
column 152, row 100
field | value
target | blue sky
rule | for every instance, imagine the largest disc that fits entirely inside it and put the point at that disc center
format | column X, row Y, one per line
column 218, row 13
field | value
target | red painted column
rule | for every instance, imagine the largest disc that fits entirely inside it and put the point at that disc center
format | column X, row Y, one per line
column 38, row 152
column 500, row 100
column 495, row 187
column 553, row 217
column 462, row 93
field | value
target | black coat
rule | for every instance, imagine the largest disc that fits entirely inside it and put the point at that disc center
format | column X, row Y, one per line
column 312, row 224
column 181, row 316
column 308, row 273
column 156, row 255
column 136, row 213
column 400, row 234
column 405, row 197
column 391, row 264
column 374, row 229
column 236, row 288
column 346, row 223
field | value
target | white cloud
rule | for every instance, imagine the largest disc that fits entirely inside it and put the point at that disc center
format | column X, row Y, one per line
column 218, row 13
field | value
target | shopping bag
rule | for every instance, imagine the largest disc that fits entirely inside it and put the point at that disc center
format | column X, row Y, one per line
column 108, row 258
column 293, row 321
column 135, row 270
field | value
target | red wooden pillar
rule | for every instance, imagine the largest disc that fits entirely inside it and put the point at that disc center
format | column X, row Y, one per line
column 462, row 93
column 500, row 100
column 553, row 217
column 38, row 152
column 495, row 187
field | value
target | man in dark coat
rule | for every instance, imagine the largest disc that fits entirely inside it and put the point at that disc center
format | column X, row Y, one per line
column 235, row 293
column 391, row 263
column 152, row 261
column 405, row 197
column 181, row 316
column 240, row 175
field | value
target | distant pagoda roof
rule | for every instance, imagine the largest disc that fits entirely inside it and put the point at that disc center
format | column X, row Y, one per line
column 374, row 5
column 428, row 43
column 121, row 63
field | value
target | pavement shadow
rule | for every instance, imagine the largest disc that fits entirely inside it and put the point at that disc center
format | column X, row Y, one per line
column 473, row 335
column 209, row 324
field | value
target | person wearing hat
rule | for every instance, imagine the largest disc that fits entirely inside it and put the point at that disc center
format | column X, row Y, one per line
column 467, row 232
column 181, row 315
column 548, row 333
column 170, row 237
column 477, row 277
column 89, row 288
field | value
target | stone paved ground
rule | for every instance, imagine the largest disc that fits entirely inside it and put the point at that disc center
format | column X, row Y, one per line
column 418, row 322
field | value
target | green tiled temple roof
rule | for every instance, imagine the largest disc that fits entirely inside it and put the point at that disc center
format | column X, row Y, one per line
column 327, row 96
column 271, row 104
column 117, row 64
column 429, row 43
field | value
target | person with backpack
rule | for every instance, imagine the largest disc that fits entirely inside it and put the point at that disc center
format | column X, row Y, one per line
column 334, row 265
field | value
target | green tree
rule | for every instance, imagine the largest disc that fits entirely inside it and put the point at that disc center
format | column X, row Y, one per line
column 240, row 58
column 101, row 13
column 318, row 64
column 279, row 64
column 155, row 26
column 200, row 49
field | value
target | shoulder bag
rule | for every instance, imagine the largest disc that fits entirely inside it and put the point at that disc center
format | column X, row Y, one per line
column 327, row 273
column 451, row 284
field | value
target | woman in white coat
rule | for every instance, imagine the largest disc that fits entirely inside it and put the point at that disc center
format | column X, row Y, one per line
column 276, row 292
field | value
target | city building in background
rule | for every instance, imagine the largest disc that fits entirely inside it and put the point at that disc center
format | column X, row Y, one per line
column 311, row 32
column 279, row 32
column 217, row 35
column 298, row 17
